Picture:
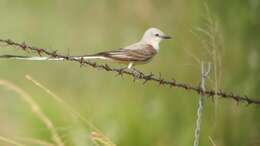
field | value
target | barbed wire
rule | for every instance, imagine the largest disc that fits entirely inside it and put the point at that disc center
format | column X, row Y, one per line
column 136, row 74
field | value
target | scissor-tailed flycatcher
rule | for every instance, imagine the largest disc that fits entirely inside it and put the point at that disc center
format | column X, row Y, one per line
column 138, row 53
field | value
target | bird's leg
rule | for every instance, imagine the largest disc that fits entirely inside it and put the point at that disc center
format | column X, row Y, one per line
column 130, row 65
column 133, row 70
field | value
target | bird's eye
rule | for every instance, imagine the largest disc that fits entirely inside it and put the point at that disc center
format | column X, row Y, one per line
column 157, row 34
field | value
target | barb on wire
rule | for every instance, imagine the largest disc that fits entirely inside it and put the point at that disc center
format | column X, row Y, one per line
column 136, row 74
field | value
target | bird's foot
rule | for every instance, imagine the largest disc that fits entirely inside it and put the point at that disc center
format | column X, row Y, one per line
column 136, row 72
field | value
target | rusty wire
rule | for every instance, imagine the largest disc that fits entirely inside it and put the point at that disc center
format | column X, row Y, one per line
column 136, row 74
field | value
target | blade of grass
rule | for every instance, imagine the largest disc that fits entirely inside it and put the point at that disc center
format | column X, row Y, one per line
column 10, row 141
column 35, row 109
column 98, row 132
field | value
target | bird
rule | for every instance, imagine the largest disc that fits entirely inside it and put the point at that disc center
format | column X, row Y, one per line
column 141, row 52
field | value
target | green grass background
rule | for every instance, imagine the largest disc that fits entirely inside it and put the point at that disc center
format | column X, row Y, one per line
column 129, row 113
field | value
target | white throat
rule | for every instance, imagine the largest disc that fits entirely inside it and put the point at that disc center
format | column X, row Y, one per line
column 155, row 45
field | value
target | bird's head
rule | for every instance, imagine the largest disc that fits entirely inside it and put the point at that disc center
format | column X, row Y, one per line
column 153, row 36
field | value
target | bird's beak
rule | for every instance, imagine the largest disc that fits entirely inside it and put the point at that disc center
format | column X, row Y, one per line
column 166, row 37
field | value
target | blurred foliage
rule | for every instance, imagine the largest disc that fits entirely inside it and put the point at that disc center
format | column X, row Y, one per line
column 129, row 113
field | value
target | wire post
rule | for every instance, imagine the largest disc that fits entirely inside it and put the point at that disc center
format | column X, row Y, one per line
column 200, row 110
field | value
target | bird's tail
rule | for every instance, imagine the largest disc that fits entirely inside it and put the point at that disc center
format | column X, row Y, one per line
column 89, row 57
column 34, row 58
column 39, row 58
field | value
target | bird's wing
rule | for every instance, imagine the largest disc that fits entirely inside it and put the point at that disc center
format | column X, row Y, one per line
column 141, row 53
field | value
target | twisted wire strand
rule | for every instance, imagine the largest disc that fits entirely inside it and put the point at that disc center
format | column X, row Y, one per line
column 201, row 103
column 136, row 74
